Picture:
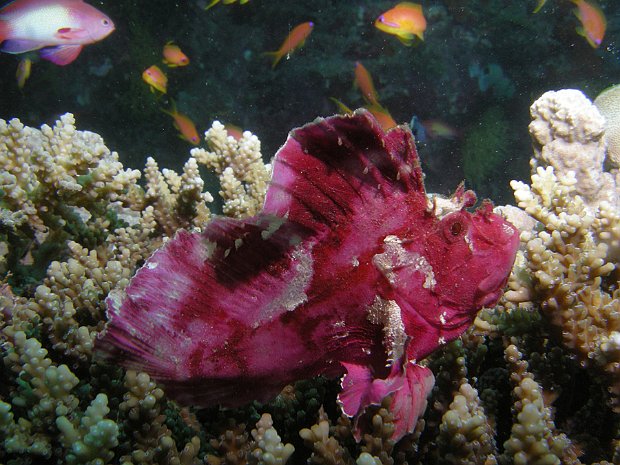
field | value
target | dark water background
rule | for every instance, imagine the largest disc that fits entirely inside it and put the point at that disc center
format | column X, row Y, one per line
column 481, row 65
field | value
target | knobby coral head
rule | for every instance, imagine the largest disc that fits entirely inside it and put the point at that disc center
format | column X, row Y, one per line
column 347, row 271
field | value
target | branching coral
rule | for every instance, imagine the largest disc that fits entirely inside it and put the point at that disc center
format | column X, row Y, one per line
column 75, row 224
column 240, row 168
column 570, row 267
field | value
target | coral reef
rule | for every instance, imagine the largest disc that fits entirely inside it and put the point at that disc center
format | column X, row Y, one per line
column 608, row 103
column 536, row 380
column 568, row 135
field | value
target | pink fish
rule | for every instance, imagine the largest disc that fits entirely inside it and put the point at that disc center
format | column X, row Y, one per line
column 347, row 271
column 57, row 28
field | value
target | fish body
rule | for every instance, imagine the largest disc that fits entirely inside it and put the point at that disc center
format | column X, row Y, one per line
column 174, row 56
column 593, row 22
column 406, row 21
column 186, row 127
column 364, row 82
column 57, row 28
column 156, row 79
column 22, row 74
column 294, row 40
column 382, row 115
column 347, row 271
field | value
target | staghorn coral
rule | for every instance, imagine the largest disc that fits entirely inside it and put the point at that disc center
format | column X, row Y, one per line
column 269, row 449
column 238, row 163
column 65, row 196
column 571, row 270
column 466, row 436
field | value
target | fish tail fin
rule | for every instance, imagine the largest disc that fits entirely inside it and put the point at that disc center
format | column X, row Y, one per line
column 172, row 110
column 275, row 57
column 4, row 30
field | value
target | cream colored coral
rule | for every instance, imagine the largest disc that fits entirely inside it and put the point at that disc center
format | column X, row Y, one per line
column 178, row 201
column 243, row 174
column 465, row 434
column 270, row 450
column 571, row 261
column 56, row 164
column 608, row 103
column 568, row 134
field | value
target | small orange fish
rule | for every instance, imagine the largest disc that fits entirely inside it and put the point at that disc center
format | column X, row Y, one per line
column 23, row 72
column 593, row 22
column 186, row 127
column 225, row 2
column 156, row 79
column 406, row 21
column 173, row 56
column 293, row 41
column 363, row 81
column 382, row 115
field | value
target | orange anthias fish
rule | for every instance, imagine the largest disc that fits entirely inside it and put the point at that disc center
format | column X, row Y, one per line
column 406, row 21
column 363, row 81
column 186, row 127
column 225, row 2
column 58, row 29
column 156, row 79
column 174, row 56
column 382, row 115
column 293, row 41
column 593, row 22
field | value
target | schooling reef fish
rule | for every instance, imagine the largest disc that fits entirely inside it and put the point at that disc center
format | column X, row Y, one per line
column 293, row 41
column 58, row 29
column 406, row 21
column 347, row 271
column 174, row 56
column 186, row 127
column 156, row 79
column 363, row 81
column 593, row 22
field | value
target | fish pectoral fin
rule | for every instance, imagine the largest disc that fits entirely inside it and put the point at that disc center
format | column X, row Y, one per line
column 406, row 39
column 69, row 33
column 62, row 54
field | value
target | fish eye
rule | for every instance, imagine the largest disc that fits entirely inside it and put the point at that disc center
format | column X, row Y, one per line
column 454, row 226
column 105, row 22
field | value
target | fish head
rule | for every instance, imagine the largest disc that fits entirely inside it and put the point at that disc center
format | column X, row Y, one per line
column 473, row 253
column 441, row 278
column 97, row 24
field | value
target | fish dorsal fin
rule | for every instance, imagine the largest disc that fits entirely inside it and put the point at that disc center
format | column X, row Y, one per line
column 329, row 170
